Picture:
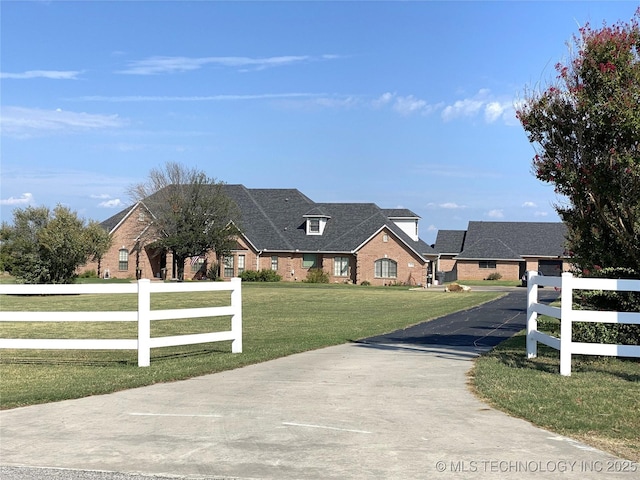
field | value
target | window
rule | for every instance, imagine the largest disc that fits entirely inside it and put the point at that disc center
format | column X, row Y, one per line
column 240, row 264
column 197, row 263
column 314, row 225
column 228, row 266
column 386, row 268
column 274, row 263
column 341, row 266
column 123, row 259
column 487, row 264
column 309, row 260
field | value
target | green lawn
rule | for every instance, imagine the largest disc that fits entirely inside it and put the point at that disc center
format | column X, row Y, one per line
column 278, row 320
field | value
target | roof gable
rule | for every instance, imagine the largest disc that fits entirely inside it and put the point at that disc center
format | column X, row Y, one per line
column 450, row 241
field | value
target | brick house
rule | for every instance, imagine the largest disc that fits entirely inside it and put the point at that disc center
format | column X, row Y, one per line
column 285, row 231
column 507, row 248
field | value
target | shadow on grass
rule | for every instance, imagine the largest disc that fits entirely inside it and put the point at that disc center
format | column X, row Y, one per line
column 106, row 362
column 513, row 354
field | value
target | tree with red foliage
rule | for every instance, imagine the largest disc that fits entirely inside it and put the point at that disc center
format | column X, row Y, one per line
column 585, row 129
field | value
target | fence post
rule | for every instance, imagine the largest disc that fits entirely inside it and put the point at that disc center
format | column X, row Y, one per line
column 144, row 322
column 236, row 319
column 566, row 307
column 532, row 315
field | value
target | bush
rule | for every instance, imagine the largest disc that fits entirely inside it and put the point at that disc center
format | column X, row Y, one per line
column 264, row 275
column 601, row 300
column 365, row 283
column 494, row 276
column 317, row 275
column 88, row 274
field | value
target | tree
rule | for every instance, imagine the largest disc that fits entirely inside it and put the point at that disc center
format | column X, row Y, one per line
column 45, row 247
column 585, row 128
column 99, row 242
column 192, row 215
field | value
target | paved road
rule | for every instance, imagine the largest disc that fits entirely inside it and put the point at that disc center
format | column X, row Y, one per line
column 393, row 407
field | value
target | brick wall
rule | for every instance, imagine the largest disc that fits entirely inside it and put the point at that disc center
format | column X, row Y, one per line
column 470, row 270
column 126, row 238
column 411, row 269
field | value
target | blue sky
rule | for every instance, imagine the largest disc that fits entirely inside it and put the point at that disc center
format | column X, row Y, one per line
column 403, row 104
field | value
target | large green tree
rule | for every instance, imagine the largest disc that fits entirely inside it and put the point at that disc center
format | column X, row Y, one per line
column 585, row 128
column 99, row 242
column 192, row 215
column 44, row 246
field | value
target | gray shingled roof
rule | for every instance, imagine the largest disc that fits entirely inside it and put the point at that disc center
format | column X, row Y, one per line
column 450, row 241
column 489, row 249
column 112, row 222
column 274, row 220
column 399, row 213
column 513, row 240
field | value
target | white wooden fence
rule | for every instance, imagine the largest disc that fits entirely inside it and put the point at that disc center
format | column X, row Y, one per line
column 567, row 315
column 143, row 315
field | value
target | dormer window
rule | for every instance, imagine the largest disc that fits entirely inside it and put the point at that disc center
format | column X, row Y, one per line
column 315, row 224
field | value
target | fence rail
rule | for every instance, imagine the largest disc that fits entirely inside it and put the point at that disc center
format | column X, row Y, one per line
column 143, row 316
column 567, row 283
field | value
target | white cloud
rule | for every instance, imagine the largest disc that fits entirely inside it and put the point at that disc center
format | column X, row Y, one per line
column 451, row 206
column 114, row 203
column 493, row 111
column 529, row 205
column 540, row 214
column 383, row 99
column 25, row 122
column 404, row 105
column 497, row 213
column 100, row 196
column 25, row 199
column 485, row 102
column 50, row 74
column 462, row 108
column 167, row 65
column 409, row 105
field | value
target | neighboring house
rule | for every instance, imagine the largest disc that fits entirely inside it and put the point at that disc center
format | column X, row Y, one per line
column 507, row 248
column 285, row 231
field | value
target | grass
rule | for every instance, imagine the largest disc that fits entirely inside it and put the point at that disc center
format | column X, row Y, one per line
column 599, row 404
column 278, row 320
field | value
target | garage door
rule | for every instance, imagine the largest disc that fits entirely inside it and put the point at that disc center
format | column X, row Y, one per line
column 550, row 268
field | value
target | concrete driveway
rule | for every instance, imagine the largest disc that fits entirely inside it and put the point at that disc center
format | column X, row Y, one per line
column 393, row 407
